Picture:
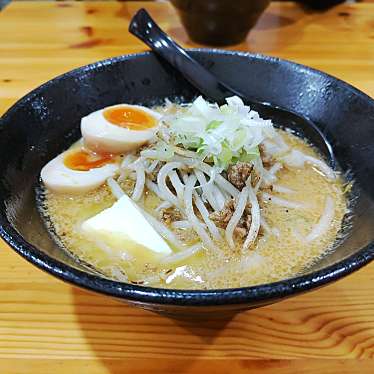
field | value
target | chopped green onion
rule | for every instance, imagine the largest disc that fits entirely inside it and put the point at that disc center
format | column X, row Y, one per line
column 247, row 156
column 213, row 125
column 223, row 134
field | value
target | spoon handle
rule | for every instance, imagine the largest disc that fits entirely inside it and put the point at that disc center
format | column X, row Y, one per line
column 144, row 27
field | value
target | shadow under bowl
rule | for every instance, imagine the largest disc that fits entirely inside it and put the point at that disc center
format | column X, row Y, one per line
column 46, row 121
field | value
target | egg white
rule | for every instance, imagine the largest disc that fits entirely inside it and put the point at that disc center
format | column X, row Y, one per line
column 102, row 136
column 59, row 178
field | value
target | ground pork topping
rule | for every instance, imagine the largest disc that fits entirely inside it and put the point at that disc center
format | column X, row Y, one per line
column 222, row 218
column 170, row 215
column 238, row 174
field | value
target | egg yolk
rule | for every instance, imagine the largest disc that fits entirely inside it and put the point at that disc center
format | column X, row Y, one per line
column 83, row 160
column 129, row 118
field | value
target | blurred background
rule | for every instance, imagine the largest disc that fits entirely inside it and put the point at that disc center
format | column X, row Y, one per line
column 219, row 22
column 318, row 4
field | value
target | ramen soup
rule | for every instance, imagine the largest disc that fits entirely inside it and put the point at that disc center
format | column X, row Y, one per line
column 192, row 196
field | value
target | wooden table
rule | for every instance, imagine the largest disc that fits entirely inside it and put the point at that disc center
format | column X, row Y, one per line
column 47, row 326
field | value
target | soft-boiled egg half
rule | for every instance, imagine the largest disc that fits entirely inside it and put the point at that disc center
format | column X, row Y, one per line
column 119, row 128
column 78, row 170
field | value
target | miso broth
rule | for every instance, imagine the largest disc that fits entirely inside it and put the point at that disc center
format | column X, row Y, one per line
column 279, row 251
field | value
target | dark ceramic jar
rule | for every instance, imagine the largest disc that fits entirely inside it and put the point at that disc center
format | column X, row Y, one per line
column 219, row 22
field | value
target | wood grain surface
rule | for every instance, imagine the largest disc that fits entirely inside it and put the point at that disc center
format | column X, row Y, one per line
column 47, row 326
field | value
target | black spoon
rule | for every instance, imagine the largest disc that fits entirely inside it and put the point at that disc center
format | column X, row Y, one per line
column 146, row 29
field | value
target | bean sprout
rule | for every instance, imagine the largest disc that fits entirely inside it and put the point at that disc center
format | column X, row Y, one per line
column 324, row 222
column 153, row 187
column 297, row 159
column 272, row 231
column 220, row 197
column 255, row 223
column 219, row 179
column 163, row 205
column 182, row 255
column 282, row 202
column 140, row 180
column 196, row 224
column 270, row 175
column 178, row 185
column 207, row 189
column 152, row 166
column 115, row 188
column 181, row 225
column 163, row 230
column 205, row 215
column 239, row 210
column 282, row 189
column 161, row 182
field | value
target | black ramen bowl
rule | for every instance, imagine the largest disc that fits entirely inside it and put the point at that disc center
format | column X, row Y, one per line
column 46, row 121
